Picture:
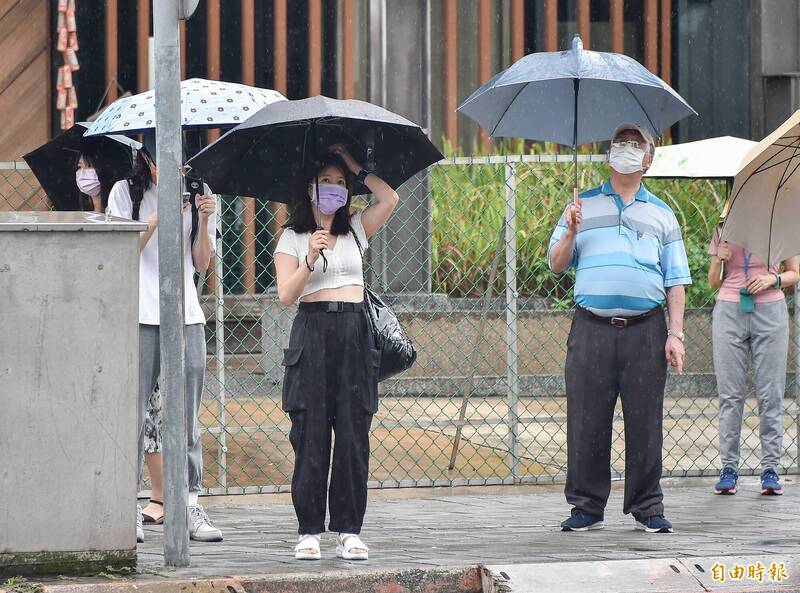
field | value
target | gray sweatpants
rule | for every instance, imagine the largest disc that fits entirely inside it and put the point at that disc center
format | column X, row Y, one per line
column 149, row 369
column 764, row 336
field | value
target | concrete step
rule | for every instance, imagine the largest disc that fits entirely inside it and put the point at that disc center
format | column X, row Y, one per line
column 439, row 580
column 660, row 575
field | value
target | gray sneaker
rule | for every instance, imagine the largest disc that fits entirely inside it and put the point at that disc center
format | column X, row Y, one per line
column 200, row 527
column 139, row 528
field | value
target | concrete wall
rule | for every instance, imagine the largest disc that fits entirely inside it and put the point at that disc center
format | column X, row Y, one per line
column 68, row 381
column 398, row 78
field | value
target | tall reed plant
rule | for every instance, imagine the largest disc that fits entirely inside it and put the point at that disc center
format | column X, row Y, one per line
column 468, row 205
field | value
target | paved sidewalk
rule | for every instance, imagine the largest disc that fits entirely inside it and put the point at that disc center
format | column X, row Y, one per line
column 459, row 527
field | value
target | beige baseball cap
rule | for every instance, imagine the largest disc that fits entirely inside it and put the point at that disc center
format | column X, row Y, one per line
column 645, row 133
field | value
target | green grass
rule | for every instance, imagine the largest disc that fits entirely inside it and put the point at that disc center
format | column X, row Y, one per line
column 22, row 585
column 468, row 205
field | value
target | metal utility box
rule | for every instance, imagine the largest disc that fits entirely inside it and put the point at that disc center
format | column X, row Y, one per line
column 69, row 355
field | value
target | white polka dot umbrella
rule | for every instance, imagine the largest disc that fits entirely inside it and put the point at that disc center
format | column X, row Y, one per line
column 204, row 104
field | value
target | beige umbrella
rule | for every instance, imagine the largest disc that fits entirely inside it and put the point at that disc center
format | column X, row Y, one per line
column 712, row 158
column 763, row 210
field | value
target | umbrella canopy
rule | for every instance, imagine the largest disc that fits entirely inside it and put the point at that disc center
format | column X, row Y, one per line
column 279, row 147
column 574, row 97
column 204, row 104
column 764, row 206
column 54, row 162
column 712, row 158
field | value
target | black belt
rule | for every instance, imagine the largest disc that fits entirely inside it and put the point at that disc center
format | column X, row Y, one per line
column 331, row 307
column 623, row 321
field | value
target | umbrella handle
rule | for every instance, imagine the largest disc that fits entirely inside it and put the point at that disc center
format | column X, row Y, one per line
column 721, row 270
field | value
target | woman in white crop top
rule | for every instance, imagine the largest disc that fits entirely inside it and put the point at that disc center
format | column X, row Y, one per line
column 331, row 376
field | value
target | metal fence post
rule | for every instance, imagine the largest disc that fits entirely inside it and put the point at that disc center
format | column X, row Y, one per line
column 512, row 373
column 796, row 317
column 219, row 343
column 170, row 271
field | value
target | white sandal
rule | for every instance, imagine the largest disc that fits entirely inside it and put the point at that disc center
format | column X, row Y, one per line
column 308, row 542
column 350, row 541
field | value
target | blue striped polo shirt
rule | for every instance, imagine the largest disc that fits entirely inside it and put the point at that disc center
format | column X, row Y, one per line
column 626, row 255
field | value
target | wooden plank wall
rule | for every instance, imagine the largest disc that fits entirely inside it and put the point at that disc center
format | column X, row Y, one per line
column 24, row 76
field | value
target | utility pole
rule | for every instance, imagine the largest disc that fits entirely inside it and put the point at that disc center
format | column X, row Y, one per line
column 166, row 14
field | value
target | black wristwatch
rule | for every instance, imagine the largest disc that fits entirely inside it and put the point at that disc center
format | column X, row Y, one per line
column 362, row 175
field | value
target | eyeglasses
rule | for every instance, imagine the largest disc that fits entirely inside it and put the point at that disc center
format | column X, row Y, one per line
column 624, row 143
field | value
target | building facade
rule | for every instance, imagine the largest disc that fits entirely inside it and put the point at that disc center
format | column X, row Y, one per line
column 737, row 62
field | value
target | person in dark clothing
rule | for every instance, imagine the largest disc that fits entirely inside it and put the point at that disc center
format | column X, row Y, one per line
column 331, row 375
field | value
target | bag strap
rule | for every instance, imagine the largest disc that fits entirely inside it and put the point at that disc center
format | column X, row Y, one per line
column 367, row 300
column 360, row 250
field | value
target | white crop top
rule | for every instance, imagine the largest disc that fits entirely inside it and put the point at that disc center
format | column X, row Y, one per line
column 345, row 266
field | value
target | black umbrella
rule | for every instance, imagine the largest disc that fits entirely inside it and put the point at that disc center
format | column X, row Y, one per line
column 271, row 153
column 54, row 163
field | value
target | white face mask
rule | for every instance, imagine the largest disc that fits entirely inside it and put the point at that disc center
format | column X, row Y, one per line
column 626, row 159
column 87, row 181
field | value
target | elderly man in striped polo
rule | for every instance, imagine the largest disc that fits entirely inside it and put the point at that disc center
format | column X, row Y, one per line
column 626, row 247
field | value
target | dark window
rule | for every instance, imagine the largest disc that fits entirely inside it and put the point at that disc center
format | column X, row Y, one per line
column 196, row 44
column 231, row 41
column 126, row 46
column 634, row 29
column 297, row 50
column 330, row 23
column 265, row 38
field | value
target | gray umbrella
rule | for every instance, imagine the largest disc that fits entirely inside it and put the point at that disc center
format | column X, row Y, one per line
column 574, row 97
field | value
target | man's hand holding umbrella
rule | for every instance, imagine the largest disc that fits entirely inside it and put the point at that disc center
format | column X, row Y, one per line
column 575, row 216
column 561, row 254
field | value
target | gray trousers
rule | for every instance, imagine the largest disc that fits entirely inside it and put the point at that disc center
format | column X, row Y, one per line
column 149, row 369
column 762, row 335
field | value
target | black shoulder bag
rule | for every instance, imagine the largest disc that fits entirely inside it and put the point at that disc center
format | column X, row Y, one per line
column 397, row 350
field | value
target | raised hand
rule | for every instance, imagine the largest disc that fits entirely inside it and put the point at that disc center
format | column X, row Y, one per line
column 206, row 206
column 341, row 151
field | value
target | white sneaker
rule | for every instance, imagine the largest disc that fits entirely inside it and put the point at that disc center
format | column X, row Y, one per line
column 200, row 527
column 139, row 527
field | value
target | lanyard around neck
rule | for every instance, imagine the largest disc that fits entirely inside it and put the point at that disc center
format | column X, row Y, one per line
column 746, row 255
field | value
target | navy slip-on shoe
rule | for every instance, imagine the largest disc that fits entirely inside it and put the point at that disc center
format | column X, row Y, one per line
column 580, row 521
column 654, row 524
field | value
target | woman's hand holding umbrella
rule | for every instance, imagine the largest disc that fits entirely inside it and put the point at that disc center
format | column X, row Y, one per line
column 723, row 255
column 206, row 206
column 316, row 243
column 723, row 251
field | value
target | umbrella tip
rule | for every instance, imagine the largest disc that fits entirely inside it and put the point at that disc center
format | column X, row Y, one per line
column 577, row 43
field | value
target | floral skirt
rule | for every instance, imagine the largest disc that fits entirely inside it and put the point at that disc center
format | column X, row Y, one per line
column 152, row 423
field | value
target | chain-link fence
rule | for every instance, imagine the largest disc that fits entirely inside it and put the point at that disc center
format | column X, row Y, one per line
column 463, row 262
